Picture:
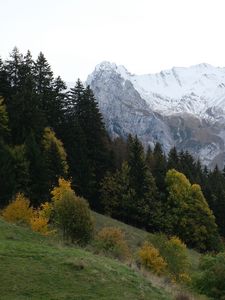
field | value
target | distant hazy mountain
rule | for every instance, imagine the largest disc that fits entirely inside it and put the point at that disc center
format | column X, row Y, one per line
column 184, row 107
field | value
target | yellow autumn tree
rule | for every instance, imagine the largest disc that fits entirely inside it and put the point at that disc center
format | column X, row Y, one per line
column 187, row 213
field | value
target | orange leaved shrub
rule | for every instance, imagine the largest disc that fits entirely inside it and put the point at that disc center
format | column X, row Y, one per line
column 19, row 210
column 39, row 221
column 150, row 258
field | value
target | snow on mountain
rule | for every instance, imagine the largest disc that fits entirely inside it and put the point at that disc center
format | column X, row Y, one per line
column 195, row 90
column 182, row 106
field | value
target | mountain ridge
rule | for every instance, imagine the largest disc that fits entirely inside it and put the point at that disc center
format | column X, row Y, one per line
column 182, row 107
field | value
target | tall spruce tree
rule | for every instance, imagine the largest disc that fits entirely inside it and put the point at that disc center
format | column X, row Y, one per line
column 38, row 186
column 142, row 182
column 117, row 195
column 88, row 150
column 215, row 193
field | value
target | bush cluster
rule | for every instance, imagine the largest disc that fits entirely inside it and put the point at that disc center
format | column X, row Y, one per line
column 19, row 210
column 110, row 241
column 174, row 253
column 67, row 211
column 150, row 258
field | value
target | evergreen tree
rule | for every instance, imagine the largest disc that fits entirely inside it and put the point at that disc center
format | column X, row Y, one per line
column 13, row 67
column 4, row 81
column 4, row 120
column 173, row 159
column 7, row 175
column 117, row 196
column 187, row 163
column 90, row 148
column 24, row 114
column 160, row 166
column 143, row 183
column 20, row 169
column 215, row 193
column 38, row 186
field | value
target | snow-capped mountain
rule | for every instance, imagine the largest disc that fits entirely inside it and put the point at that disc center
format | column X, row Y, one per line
column 182, row 106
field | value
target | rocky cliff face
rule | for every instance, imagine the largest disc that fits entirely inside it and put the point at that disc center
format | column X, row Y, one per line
column 183, row 107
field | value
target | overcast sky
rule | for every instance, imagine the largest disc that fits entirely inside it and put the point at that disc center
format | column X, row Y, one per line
column 145, row 36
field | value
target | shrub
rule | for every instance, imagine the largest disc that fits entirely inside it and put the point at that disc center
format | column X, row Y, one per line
column 71, row 213
column 19, row 210
column 110, row 240
column 39, row 222
column 211, row 280
column 174, row 252
column 150, row 258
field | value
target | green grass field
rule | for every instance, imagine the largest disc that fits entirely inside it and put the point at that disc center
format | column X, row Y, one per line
column 36, row 267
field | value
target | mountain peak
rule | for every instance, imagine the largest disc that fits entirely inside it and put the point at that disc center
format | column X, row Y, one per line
column 183, row 106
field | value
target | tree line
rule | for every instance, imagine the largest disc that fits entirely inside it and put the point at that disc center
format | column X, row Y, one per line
column 48, row 132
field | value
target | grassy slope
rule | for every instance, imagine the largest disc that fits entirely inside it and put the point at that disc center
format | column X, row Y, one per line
column 34, row 267
column 135, row 237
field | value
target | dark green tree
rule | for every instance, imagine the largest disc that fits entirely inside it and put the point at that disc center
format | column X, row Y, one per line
column 142, row 182
column 117, row 196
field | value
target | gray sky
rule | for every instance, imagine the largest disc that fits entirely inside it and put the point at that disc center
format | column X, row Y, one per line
column 144, row 35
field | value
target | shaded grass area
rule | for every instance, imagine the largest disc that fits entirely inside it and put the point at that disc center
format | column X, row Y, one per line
column 35, row 267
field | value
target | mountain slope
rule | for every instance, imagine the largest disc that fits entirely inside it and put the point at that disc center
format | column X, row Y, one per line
column 182, row 106
column 33, row 267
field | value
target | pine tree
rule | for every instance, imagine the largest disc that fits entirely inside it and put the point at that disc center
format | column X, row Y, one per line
column 13, row 68
column 4, row 120
column 44, row 82
column 90, row 148
column 215, row 193
column 159, row 166
column 117, row 196
column 143, row 183
column 7, row 175
column 4, row 81
column 173, row 159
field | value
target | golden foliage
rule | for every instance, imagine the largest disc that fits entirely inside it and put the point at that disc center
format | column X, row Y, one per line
column 58, row 191
column 19, row 210
column 177, row 244
column 150, row 258
column 111, row 241
column 39, row 224
column 46, row 210
column 39, row 221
